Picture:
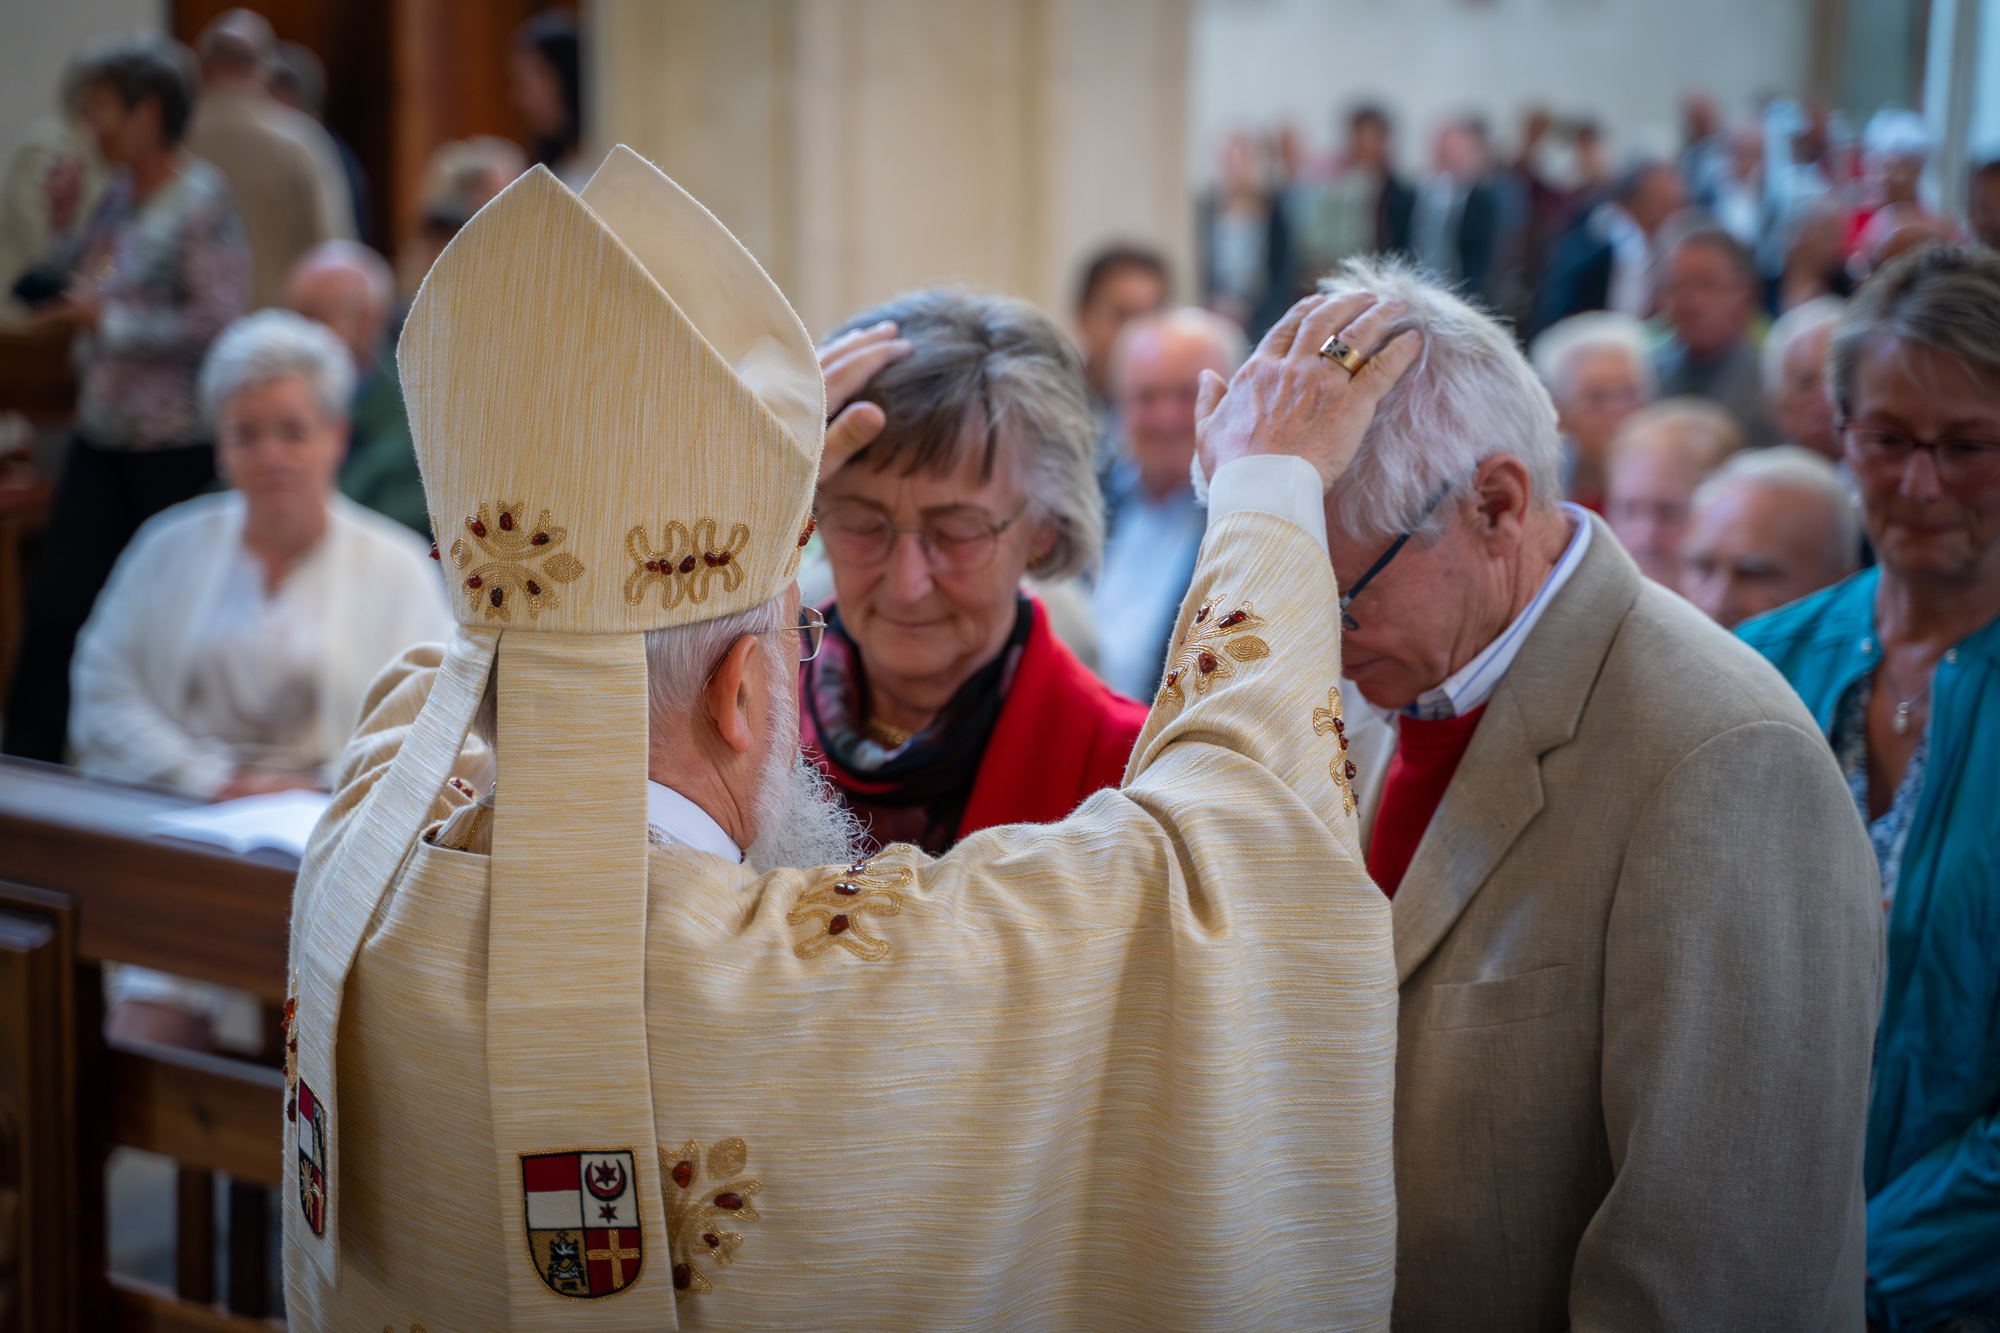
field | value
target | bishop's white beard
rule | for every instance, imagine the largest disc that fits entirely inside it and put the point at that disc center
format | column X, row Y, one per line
column 800, row 820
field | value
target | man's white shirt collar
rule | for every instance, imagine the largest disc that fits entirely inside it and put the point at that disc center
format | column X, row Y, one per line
column 1473, row 684
column 674, row 819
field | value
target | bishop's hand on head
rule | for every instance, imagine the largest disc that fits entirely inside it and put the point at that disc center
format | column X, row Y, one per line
column 1289, row 399
column 848, row 363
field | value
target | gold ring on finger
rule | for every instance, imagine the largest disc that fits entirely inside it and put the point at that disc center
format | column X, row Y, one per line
column 1338, row 352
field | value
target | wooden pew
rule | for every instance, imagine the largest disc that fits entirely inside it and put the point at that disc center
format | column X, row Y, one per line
column 81, row 885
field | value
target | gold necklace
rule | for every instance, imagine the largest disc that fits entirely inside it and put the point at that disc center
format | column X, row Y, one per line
column 886, row 736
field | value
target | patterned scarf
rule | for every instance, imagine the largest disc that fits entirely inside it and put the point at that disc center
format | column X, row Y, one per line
column 916, row 792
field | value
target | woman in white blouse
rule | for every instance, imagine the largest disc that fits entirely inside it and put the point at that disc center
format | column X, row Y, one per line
column 229, row 652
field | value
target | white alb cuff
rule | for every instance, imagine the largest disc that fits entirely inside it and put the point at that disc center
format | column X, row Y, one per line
column 1282, row 485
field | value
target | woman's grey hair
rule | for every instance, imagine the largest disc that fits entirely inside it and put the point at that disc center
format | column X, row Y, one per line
column 1944, row 297
column 1801, row 320
column 996, row 372
column 268, row 345
column 1789, row 466
column 679, row 661
column 1561, row 347
column 1470, row 396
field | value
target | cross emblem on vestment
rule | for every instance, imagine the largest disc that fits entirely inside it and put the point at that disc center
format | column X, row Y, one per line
column 617, row 1255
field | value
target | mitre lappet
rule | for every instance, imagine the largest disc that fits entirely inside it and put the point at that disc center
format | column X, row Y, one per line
column 619, row 421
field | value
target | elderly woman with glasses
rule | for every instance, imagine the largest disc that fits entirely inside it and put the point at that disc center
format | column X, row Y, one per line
column 941, row 702
column 1900, row 664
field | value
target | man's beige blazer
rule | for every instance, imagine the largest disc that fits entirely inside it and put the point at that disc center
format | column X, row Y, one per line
column 1640, row 949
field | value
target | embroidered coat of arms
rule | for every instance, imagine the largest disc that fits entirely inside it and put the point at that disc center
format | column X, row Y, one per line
column 311, row 1123
column 583, row 1221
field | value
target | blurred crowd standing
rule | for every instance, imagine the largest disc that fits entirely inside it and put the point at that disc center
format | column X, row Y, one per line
column 1771, row 366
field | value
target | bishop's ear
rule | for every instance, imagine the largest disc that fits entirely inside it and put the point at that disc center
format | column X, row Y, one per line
column 730, row 700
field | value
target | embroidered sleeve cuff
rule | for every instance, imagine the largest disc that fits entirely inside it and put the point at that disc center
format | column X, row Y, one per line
column 1286, row 487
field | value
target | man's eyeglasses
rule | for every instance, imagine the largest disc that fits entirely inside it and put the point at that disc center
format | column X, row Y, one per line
column 811, row 630
column 1961, row 459
column 958, row 540
column 1349, row 623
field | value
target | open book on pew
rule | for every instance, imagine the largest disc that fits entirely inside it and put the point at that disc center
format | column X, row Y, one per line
column 281, row 821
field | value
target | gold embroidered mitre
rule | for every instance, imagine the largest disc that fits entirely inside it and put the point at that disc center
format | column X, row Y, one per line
column 617, row 415
column 619, row 420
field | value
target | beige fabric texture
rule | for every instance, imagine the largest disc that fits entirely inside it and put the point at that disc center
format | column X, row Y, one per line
column 1641, row 959
column 1131, row 1070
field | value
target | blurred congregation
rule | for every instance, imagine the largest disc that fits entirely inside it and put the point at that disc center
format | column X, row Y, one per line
column 215, row 531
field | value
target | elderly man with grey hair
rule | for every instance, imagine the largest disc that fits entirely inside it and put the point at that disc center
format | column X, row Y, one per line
column 1635, row 913
column 1769, row 527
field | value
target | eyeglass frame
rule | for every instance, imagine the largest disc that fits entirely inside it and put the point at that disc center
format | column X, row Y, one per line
column 895, row 530
column 1849, row 427
column 812, row 628
column 1348, row 623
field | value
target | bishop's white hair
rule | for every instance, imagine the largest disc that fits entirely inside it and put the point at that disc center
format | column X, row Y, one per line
column 680, row 659
column 1470, row 396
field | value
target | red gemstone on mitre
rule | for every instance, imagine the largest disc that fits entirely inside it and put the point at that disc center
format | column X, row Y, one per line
column 683, row 1173
column 292, row 1107
column 497, row 596
column 683, row 1275
column 1350, row 770
column 711, row 559
column 473, row 581
column 434, row 551
column 506, row 521
column 540, row 539
column 1201, row 615
column 846, row 890
column 1340, row 726
column 729, row 1201
column 687, row 564
column 1206, row 662
column 710, row 1239
column 478, row 528
column 534, row 588
column 837, row 925
column 806, row 536
column 1173, row 677
column 1232, row 619
column 722, row 558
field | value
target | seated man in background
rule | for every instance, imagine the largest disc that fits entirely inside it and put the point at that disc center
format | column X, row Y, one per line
column 1709, row 296
column 229, row 652
column 1635, row 913
column 1794, row 359
column 1155, row 526
column 1658, row 460
column 1768, row 527
column 1599, row 371
column 350, row 289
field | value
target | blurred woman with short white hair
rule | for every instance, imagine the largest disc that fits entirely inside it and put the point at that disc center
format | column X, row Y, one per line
column 1599, row 369
column 228, row 654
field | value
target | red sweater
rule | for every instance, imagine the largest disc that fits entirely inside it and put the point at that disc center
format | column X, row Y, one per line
column 1427, row 754
column 1061, row 735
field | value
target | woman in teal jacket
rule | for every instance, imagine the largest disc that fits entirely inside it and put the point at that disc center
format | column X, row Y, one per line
column 1901, row 665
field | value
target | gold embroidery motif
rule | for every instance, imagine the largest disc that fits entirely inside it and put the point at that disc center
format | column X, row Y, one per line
column 687, row 559
column 521, row 562
column 1340, row 768
column 1204, row 652
column 699, row 1203
column 838, row 904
